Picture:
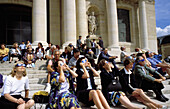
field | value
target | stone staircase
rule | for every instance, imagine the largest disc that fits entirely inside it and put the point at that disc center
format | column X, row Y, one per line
column 37, row 80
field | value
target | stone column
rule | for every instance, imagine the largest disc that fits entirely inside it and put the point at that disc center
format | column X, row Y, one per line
column 113, row 37
column 39, row 22
column 82, row 27
column 69, row 22
column 143, row 25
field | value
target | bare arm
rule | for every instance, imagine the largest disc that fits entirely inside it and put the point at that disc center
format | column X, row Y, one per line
column 49, row 68
column 74, row 75
column 26, row 93
column 163, row 65
column 14, row 100
column 61, row 77
column 95, row 73
column 86, row 74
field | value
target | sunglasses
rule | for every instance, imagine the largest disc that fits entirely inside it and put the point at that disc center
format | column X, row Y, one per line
column 57, row 54
column 141, row 60
column 19, row 65
column 83, row 61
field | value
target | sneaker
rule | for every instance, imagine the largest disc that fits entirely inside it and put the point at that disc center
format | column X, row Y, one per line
column 48, row 88
column 164, row 107
column 33, row 65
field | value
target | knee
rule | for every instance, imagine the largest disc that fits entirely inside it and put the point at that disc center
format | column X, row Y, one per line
column 140, row 90
column 98, row 91
column 93, row 92
column 31, row 102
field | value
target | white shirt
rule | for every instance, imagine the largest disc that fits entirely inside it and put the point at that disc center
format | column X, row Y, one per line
column 128, row 73
column 88, row 81
column 13, row 86
column 64, row 86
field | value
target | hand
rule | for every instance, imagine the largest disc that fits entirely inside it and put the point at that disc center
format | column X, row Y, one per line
column 158, row 80
column 88, row 64
column 29, row 62
column 163, row 78
column 82, row 64
column 67, row 67
column 20, row 101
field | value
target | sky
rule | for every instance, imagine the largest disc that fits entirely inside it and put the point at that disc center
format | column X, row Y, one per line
column 162, row 9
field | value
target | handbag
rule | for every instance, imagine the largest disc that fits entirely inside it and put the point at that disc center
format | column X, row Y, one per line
column 114, row 85
column 41, row 97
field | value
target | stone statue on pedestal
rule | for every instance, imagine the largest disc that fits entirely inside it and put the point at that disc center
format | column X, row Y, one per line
column 92, row 24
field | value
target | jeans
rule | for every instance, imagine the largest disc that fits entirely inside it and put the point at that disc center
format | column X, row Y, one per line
column 5, row 58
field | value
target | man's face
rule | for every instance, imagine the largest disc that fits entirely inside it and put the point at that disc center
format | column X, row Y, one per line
column 105, row 51
column 57, row 55
column 76, row 55
column 2, row 46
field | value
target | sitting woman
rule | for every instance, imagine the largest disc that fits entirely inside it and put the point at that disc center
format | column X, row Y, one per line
column 3, row 53
column 40, row 51
column 62, row 89
column 14, row 84
column 111, row 86
column 86, row 89
column 127, row 81
column 29, row 58
column 15, row 52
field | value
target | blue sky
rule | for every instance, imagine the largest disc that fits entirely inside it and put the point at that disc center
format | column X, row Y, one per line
column 162, row 8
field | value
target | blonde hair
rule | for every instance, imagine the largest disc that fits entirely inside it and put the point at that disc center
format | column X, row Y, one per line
column 13, row 72
column 14, row 45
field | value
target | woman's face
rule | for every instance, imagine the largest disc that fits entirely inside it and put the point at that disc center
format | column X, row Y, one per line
column 2, row 46
column 107, row 65
column 16, row 45
column 85, row 61
column 129, row 66
column 39, row 45
column 20, row 67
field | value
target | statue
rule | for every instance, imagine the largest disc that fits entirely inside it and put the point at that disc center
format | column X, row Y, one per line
column 92, row 24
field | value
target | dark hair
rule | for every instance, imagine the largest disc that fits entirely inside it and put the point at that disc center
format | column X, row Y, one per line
column 100, row 37
column 78, row 62
column 137, row 59
column 83, row 46
column 87, row 36
column 122, row 48
column 101, row 64
column 75, row 50
column 80, row 36
column 40, row 44
column 136, row 49
column 3, row 44
column 147, row 54
column 127, row 62
column 57, row 46
column 139, row 54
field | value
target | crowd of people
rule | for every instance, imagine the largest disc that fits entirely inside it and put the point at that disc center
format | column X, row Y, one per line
column 71, row 75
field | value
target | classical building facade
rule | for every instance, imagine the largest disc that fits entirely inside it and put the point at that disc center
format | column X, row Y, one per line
column 129, row 23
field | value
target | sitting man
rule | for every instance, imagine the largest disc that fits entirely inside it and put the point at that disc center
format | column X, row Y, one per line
column 147, row 78
column 51, row 67
column 29, row 58
column 162, row 68
column 104, row 55
column 3, row 53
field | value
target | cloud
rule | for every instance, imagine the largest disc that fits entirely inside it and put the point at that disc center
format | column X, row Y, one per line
column 164, row 31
